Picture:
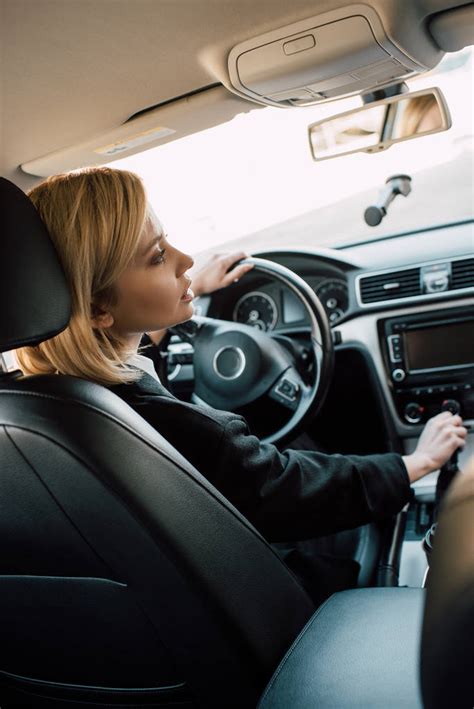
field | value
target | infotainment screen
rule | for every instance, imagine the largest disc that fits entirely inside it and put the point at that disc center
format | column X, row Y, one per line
column 446, row 345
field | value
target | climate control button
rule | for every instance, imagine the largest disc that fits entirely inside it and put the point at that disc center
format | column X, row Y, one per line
column 451, row 405
column 413, row 412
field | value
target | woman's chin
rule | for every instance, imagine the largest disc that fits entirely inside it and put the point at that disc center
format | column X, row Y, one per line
column 185, row 316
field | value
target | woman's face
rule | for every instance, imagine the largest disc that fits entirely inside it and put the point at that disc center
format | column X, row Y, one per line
column 154, row 291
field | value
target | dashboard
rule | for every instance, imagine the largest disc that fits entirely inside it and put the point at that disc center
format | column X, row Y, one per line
column 391, row 273
column 422, row 284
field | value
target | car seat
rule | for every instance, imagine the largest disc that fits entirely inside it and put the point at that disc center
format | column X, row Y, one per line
column 125, row 577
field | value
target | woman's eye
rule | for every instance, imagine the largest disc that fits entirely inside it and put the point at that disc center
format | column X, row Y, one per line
column 158, row 258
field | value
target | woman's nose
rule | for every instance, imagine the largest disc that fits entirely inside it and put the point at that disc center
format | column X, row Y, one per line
column 185, row 262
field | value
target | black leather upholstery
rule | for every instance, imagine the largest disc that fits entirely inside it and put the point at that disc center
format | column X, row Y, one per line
column 359, row 651
column 121, row 565
column 447, row 658
column 33, row 293
column 125, row 577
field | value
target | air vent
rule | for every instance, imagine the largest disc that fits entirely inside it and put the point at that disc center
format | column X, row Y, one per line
column 390, row 286
column 462, row 274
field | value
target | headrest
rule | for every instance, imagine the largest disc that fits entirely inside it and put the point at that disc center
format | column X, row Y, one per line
column 35, row 303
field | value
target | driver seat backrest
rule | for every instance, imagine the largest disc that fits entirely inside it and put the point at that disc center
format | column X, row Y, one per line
column 125, row 577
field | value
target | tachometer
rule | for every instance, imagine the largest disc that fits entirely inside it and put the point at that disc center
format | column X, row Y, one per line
column 256, row 309
column 335, row 299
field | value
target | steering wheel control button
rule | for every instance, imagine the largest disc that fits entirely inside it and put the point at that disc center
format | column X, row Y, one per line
column 398, row 375
column 413, row 412
column 229, row 362
column 287, row 390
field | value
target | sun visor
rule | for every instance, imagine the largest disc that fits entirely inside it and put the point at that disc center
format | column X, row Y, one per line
column 453, row 29
column 150, row 129
column 331, row 55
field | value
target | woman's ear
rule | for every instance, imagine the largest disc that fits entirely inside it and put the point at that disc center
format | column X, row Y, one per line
column 101, row 319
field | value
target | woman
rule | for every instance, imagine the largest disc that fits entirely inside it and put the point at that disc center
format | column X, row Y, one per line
column 127, row 279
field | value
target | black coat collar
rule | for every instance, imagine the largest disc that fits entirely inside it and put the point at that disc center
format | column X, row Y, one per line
column 146, row 385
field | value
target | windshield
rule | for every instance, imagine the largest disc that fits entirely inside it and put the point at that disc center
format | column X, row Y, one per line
column 251, row 183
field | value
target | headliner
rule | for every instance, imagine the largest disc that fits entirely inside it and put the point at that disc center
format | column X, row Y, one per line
column 76, row 69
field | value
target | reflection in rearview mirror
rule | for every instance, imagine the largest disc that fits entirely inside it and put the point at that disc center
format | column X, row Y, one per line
column 416, row 115
column 379, row 125
column 347, row 133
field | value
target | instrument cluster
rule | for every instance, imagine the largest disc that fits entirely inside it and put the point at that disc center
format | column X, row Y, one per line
column 269, row 307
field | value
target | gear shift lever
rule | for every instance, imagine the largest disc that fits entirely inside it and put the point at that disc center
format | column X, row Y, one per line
column 450, row 468
column 445, row 478
column 446, row 474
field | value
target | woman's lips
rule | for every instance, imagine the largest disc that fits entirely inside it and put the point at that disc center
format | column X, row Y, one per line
column 187, row 296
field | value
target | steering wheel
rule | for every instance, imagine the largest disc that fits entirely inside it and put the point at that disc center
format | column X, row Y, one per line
column 236, row 365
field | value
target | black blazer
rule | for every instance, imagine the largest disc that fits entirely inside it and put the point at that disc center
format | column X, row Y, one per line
column 288, row 496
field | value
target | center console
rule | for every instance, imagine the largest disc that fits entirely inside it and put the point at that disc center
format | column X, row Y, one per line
column 429, row 359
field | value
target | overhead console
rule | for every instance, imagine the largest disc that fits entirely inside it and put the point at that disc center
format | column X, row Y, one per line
column 429, row 359
column 334, row 54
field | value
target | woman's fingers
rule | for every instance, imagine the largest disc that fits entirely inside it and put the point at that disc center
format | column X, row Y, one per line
column 237, row 273
column 228, row 260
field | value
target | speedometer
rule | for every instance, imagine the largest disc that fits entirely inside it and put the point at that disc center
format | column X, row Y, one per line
column 334, row 297
column 256, row 309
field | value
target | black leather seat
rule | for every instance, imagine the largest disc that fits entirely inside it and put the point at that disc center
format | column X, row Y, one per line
column 124, row 575
column 360, row 650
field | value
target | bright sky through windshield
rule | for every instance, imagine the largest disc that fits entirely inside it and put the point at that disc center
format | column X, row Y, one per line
column 256, row 170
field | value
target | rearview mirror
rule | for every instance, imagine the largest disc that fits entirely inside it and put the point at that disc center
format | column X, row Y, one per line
column 379, row 125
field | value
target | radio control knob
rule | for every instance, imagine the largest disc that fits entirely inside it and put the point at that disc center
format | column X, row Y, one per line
column 398, row 375
column 451, row 405
column 413, row 412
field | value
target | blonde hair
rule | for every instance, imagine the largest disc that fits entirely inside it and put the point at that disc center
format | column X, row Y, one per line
column 415, row 110
column 95, row 217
